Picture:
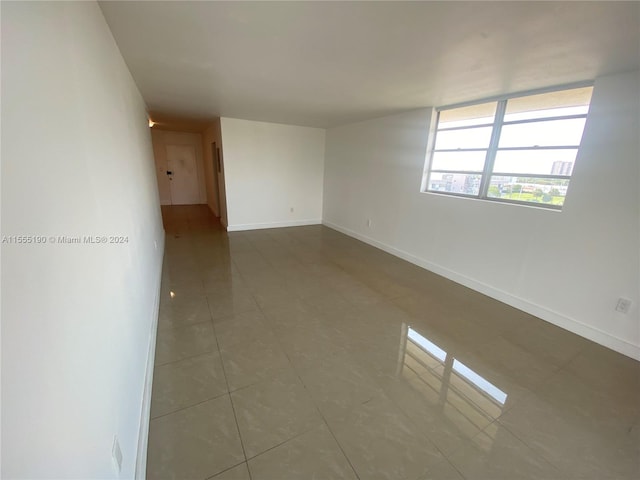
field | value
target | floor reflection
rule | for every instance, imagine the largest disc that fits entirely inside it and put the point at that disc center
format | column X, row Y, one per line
column 464, row 397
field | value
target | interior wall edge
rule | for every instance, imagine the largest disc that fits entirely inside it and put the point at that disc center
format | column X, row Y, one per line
column 572, row 325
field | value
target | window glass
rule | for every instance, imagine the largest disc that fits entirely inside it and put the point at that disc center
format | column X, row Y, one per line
column 535, row 145
column 542, row 191
column 539, row 162
column 551, row 104
column 480, row 114
column 459, row 161
column 551, row 133
column 452, row 182
column 463, row 138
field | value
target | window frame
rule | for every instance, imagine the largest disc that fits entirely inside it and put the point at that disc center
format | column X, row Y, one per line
column 493, row 148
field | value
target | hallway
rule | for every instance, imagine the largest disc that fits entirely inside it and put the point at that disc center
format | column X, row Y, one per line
column 303, row 353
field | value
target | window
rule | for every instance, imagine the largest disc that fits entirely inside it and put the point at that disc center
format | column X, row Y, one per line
column 518, row 149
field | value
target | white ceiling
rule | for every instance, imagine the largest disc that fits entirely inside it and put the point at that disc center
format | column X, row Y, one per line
column 328, row 63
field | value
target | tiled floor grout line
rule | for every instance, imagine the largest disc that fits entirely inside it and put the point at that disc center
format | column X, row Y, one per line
column 227, row 469
column 189, row 406
column 315, row 404
column 184, row 358
column 182, row 327
column 335, row 439
column 297, row 435
column 464, row 477
column 312, row 400
column 297, row 373
column 235, row 415
column 402, row 411
column 524, row 442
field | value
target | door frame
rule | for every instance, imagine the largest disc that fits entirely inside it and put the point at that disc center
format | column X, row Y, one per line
column 217, row 170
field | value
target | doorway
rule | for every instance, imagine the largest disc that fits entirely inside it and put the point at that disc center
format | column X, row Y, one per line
column 217, row 173
column 183, row 175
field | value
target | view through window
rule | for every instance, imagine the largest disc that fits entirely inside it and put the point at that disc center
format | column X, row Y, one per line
column 518, row 150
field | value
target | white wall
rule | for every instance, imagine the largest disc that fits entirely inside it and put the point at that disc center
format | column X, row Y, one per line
column 160, row 140
column 270, row 169
column 77, row 320
column 566, row 267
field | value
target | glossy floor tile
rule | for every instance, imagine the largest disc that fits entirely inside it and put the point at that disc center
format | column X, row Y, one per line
column 301, row 353
column 187, row 382
column 314, row 454
column 273, row 411
column 196, row 442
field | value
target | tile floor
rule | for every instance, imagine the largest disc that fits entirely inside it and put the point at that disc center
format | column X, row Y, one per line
column 300, row 353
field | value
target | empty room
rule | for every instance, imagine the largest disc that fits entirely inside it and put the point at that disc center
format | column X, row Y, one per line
column 320, row 240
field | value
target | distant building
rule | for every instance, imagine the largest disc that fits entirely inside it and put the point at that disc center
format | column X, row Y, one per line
column 456, row 183
column 561, row 168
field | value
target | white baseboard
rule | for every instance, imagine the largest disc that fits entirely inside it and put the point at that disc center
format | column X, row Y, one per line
column 556, row 318
column 145, row 412
column 259, row 226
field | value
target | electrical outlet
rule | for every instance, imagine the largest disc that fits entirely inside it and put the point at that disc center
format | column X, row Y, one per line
column 623, row 305
column 116, row 455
